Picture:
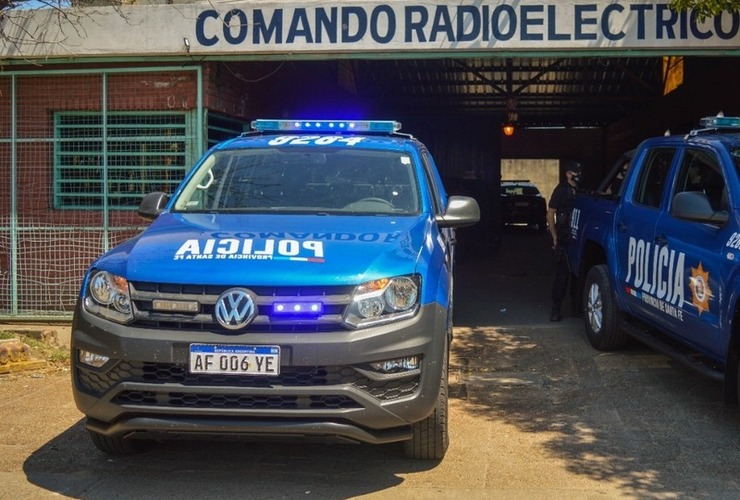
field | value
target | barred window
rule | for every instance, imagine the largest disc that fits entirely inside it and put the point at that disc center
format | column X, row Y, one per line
column 221, row 128
column 141, row 152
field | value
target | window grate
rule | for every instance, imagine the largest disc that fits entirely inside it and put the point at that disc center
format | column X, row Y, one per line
column 141, row 153
column 221, row 128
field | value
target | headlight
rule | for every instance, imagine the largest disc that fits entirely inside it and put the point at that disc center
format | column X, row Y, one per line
column 384, row 300
column 106, row 295
column 401, row 294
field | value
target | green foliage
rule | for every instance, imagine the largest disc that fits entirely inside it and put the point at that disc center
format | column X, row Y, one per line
column 706, row 8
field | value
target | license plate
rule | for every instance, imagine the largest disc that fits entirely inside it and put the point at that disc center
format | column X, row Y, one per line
column 521, row 204
column 235, row 359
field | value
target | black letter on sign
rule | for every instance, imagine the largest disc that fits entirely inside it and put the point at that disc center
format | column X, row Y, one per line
column 241, row 26
column 200, row 32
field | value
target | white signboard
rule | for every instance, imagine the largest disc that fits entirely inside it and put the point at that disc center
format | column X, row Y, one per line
column 343, row 27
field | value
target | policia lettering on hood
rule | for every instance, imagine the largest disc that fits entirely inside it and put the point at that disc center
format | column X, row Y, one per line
column 656, row 270
column 212, row 248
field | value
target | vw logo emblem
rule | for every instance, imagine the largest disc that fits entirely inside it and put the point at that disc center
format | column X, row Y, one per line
column 235, row 309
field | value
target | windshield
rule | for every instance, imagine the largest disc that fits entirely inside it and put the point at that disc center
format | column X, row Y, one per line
column 306, row 180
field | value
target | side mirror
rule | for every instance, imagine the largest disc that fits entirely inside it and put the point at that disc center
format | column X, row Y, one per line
column 461, row 211
column 695, row 206
column 152, row 205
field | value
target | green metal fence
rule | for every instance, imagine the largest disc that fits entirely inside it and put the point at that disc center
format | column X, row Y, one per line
column 78, row 150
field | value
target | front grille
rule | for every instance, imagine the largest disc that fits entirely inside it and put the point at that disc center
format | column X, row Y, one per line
column 233, row 401
column 158, row 374
column 166, row 373
column 335, row 299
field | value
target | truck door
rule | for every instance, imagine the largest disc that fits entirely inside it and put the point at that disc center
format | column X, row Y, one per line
column 445, row 240
column 645, row 198
column 691, row 255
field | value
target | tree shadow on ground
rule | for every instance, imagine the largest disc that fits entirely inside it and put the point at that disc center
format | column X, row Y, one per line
column 632, row 417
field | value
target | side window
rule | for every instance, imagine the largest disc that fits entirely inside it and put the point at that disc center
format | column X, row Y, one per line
column 700, row 172
column 652, row 181
column 614, row 184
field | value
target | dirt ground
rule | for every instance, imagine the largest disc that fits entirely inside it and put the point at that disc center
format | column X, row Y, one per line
column 536, row 413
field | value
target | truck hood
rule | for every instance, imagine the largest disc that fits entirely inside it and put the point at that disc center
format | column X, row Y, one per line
column 277, row 250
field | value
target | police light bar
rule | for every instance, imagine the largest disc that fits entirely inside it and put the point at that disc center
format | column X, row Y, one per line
column 720, row 122
column 377, row 126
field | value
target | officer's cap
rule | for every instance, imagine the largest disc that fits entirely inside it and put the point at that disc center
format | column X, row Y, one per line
column 576, row 168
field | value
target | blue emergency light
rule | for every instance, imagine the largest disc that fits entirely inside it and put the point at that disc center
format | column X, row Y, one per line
column 297, row 309
column 372, row 126
column 720, row 122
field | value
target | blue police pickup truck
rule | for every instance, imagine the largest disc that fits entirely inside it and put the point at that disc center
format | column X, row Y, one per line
column 657, row 250
column 298, row 282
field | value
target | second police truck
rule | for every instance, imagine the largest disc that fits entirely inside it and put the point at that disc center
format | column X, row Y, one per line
column 657, row 250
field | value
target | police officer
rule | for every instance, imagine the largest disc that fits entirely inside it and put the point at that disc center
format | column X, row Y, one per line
column 559, row 211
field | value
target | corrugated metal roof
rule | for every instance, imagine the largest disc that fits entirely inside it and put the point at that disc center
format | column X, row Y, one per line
column 542, row 92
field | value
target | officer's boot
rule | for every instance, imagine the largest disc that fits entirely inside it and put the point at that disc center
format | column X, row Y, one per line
column 555, row 313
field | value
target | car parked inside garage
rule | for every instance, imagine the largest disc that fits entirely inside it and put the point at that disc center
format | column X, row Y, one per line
column 522, row 203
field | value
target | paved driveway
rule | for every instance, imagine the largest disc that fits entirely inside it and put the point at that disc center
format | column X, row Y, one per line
column 535, row 413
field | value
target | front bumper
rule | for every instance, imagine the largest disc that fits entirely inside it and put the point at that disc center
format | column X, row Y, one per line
column 325, row 386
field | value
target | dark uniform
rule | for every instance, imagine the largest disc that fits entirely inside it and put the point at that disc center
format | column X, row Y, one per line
column 561, row 201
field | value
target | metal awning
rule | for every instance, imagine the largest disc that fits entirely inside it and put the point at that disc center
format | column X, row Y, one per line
column 535, row 92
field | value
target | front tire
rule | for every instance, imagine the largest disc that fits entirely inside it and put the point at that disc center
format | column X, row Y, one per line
column 602, row 315
column 431, row 437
